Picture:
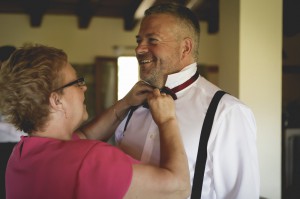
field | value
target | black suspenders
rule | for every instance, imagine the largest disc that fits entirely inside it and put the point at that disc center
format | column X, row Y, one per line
column 202, row 148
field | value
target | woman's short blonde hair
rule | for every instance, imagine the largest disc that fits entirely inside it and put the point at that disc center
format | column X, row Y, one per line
column 27, row 80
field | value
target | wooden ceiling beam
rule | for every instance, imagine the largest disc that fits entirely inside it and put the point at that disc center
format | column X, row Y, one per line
column 131, row 11
column 36, row 9
column 129, row 16
column 208, row 10
column 213, row 17
column 85, row 12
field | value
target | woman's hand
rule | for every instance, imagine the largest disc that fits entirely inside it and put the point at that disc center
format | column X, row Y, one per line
column 161, row 106
column 138, row 94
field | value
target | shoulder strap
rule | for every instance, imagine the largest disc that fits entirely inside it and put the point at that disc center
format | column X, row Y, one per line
column 202, row 148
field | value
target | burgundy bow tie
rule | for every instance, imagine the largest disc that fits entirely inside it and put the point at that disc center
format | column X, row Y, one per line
column 176, row 89
column 168, row 91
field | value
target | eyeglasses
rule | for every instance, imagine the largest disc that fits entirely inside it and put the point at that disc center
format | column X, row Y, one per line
column 78, row 82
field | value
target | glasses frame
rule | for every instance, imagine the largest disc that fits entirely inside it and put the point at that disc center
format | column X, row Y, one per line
column 80, row 82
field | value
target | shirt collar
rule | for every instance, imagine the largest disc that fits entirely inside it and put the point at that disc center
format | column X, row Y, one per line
column 183, row 75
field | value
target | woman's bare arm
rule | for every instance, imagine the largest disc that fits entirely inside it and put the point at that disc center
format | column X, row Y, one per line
column 171, row 179
column 103, row 126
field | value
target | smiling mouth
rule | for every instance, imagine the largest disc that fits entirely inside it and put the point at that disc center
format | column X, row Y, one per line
column 145, row 61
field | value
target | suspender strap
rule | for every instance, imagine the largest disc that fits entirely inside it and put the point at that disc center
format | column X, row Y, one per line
column 202, row 148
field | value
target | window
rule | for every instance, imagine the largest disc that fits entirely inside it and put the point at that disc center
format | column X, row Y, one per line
column 128, row 74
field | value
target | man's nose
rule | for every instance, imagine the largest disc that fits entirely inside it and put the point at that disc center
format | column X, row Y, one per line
column 141, row 48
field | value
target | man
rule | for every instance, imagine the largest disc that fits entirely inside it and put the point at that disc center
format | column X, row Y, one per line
column 167, row 53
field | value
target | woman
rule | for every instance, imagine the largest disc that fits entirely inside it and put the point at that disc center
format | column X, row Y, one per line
column 41, row 95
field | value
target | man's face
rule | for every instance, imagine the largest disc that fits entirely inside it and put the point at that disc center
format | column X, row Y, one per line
column 158, row 50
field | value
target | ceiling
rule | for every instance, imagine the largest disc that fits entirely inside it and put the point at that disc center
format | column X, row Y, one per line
column 131, row 11
column 128, row 10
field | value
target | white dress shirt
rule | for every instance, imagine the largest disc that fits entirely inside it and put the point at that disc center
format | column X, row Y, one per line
column 8, row 133
column 231, row 170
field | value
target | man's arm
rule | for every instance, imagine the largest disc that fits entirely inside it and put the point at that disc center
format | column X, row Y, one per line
column 236, row 171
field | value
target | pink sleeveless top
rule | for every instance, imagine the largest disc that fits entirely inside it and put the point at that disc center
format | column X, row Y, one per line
column 46, row 168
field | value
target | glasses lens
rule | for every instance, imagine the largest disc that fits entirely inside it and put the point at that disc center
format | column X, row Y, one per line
column 81, row 82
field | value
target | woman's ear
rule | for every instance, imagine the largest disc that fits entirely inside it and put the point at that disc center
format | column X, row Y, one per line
column 55, row 102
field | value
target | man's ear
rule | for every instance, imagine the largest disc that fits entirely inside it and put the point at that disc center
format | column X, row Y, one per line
column 54, row 101
column 187, row 46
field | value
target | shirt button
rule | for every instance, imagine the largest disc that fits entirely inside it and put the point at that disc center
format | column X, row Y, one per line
column 151, row 135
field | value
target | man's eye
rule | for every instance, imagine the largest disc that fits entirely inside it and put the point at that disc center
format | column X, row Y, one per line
column 138, row 41
column 152, row 40
column 148, row 41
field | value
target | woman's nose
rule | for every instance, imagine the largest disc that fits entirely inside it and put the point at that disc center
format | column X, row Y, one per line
column 84, row 88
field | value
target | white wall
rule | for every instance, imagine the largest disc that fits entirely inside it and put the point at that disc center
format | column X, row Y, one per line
column 250, row 57
column 82, row 45
column 260, row 83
